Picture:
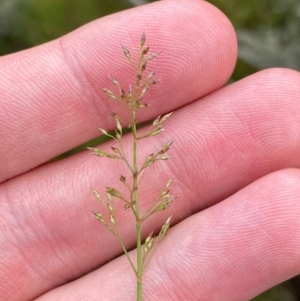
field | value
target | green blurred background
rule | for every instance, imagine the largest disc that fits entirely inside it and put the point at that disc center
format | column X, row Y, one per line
column 268, row 34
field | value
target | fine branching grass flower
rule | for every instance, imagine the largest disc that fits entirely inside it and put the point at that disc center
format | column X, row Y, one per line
column 133, row 99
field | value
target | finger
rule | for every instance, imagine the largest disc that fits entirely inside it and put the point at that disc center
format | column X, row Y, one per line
column 232, row 251
column 219, row 149
column 50, row 94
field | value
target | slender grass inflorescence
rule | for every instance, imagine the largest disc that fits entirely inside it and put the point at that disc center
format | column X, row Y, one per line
column 133, row 99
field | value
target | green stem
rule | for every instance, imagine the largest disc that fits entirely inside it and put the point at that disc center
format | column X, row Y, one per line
column 150, row 210
column 150, row 255
column 137, row 210
column 117, row 234
column 124, row 157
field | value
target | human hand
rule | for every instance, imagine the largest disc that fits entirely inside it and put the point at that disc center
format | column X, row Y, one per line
column 236, row 155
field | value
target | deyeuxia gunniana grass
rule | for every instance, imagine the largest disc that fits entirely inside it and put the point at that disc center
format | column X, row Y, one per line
column 133, row 99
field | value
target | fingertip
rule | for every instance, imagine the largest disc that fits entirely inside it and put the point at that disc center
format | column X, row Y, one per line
column 60, row 81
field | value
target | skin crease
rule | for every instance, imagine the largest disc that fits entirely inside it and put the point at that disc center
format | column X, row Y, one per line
column 236, row 155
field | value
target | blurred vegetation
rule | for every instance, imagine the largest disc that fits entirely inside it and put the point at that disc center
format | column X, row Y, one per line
column 25, row 23
column 268, row 35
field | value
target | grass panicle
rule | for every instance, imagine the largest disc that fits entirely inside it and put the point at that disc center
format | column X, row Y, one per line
column 134, row 100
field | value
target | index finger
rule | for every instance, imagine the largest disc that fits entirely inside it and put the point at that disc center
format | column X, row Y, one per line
column 50, row 96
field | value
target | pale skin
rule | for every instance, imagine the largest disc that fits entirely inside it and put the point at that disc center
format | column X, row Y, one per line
column 236, row 155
